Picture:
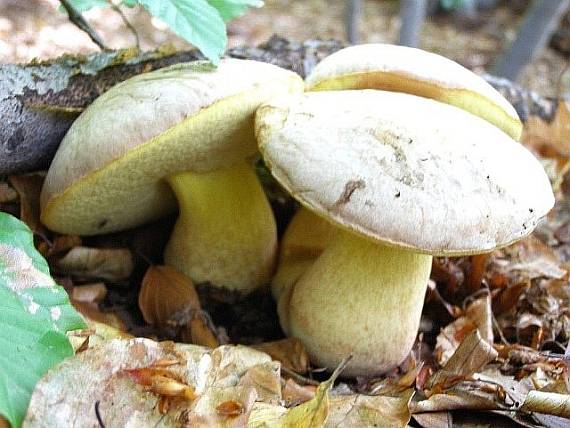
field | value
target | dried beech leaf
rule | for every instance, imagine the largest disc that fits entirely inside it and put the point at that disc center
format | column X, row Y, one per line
column 92, row 313
column 434, row 420
column 473, row 354
column 66, row 396
column 200, row 332
column 89, row 293
column 164, row 292
column 29, row 188
column 290, row 352
column 478, row 316
column 295, row 394
column 230, row 408
column 7, row 194
column 369, row 411
column 265, row 415
column 456, row 398
column 549, row 403
column 266, row 381
column 94, row 263
column 554, row 134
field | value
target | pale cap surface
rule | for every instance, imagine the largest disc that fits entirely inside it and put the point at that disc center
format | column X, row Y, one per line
column 108, row 172
column 357, row 67
column 404, row 170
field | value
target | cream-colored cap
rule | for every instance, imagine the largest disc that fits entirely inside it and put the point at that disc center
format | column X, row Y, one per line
column 417, row 72
column 108, row 172
column 405, row 170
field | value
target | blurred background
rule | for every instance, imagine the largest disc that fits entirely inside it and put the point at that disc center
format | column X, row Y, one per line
column 473, row 32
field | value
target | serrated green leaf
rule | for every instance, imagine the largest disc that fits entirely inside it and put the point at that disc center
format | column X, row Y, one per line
column 35, row 313
column 194, row 20
column 229, row 9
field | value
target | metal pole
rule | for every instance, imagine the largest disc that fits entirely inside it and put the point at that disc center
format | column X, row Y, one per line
column 412, row 16
column 352, row 20
column 539, row 23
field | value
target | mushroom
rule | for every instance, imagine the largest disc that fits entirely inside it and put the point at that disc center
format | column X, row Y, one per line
column 445, row 183
column 183, row 131
column 417, row 72
column 398, row 69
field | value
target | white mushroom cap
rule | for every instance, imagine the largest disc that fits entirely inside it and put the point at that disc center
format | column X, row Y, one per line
column 405, row 170
column 109, row 171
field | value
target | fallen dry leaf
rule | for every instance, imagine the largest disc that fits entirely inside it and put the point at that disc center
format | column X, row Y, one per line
column 434, row 420
column 295, row 394
column 29, row 188
column 89, row 293
column 7, row 194
column 471, row 355
column 478, row 316
column 230, row 408
column 547, row 402
column 290, row 352
column 164, row 292
column 113, row 264
column 67, row 395
column 168, row 297
column 265, row 379
column 370, row 411
column 554, row 134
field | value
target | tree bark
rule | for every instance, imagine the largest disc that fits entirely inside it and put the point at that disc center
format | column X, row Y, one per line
column 40, row 101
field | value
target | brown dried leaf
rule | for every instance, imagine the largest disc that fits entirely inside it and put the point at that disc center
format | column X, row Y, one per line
column 7, row 194
column 89, row 293
column 295, row 394
column 554, row 134
column 369, row 411
column 200, row 332
column 94, row 263
column 104, row 374
column 265, row 380
column 230, row 408
column 478, row 316
column 548, row 403
column 290, row 352
column 434, row 420
column 29, row 188
column 472, row 355
column 164, row 292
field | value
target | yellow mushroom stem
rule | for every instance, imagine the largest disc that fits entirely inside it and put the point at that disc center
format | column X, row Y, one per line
column 359, row 298
column 225, row 233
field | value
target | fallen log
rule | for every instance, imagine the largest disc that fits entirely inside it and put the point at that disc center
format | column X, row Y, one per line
column 39, row 101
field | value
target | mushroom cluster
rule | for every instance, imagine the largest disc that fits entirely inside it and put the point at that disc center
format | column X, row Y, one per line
column 179, row 134
column 425, row 162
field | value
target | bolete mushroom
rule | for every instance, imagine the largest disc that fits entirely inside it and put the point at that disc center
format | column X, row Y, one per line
column 184, row 130
column 397, row 69
column 445, row 183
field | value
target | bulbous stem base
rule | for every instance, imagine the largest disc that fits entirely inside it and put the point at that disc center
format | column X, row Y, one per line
column 359, row 298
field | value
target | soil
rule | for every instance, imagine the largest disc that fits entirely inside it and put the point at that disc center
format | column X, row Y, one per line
column 36, row 29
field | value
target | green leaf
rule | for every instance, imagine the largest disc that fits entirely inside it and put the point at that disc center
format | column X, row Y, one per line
column 85, row 5
column 35, row 313
column 194, row 20
column 229, row 9
column 130, row 3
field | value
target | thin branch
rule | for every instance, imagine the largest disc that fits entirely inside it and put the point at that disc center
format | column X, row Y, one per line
column 126, row 22
column 77, row 19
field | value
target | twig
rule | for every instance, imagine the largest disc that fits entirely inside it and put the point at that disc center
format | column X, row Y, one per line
column 296, row 376
column 76, row 18
column 126, row 22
